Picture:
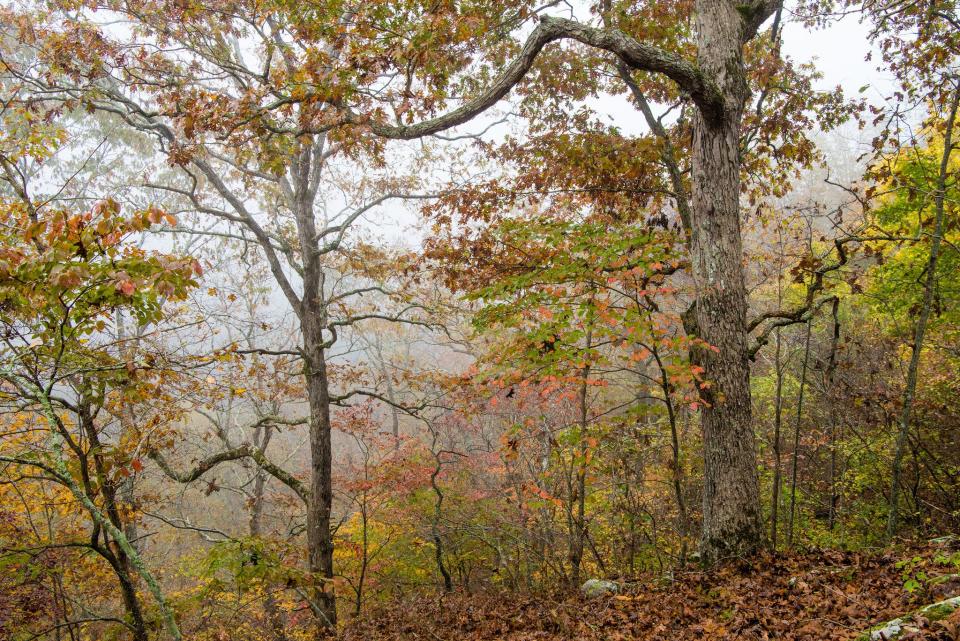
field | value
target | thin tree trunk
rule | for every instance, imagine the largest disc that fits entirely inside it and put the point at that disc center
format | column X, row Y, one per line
column 365, row 556
column 929, row 284
column 394, row 412
column 437, row 513
column 777, row 441
column 796, row 435
column 255, row 527
column 675, row 461
column 127, row 426
column 777, row 409
column 377, row 346
column 831, row 408
column 117, row 556
column 577, row 520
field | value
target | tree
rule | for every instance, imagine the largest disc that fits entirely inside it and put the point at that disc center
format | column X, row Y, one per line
column 63, row 276
column 925, row 71
column 583, row 307
column 717, row 86
column 343, row 110
column 920, row 178
column 296, row 197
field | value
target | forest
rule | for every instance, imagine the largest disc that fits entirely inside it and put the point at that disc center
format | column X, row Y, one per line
column 479, row 319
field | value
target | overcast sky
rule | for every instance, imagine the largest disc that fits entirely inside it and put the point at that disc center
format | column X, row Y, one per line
column 840, row 53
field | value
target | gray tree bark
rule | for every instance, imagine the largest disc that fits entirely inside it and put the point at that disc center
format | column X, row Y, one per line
column 731, row 495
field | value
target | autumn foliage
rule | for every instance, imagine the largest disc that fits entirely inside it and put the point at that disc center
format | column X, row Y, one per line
column 409, row 319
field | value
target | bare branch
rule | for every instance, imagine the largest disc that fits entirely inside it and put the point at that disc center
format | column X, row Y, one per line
column 341, row 229
column 244, row 451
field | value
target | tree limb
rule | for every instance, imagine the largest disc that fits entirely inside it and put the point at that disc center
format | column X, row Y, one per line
column 244, row 451
column 638, row 55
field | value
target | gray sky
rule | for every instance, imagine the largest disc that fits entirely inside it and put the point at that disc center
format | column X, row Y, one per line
column 839, row 51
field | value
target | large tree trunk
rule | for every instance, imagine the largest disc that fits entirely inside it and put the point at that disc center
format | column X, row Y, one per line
column 731, row 514
column 313, row 322
column 319, row 536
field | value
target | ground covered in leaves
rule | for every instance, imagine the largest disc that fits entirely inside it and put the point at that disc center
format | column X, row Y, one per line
column 826, row 595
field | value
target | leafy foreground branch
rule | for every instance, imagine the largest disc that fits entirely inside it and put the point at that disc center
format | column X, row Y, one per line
column 56, row 465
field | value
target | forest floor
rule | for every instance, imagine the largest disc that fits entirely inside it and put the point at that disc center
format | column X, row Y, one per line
column 811, row 596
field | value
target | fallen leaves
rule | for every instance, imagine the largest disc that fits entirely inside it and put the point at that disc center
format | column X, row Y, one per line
column 813, row 597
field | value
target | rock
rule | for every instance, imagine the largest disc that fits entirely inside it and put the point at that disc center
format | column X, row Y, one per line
column 799, row 585
column 948, row 542
column 898, row 627
column 944, row 586
column 594, row 588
